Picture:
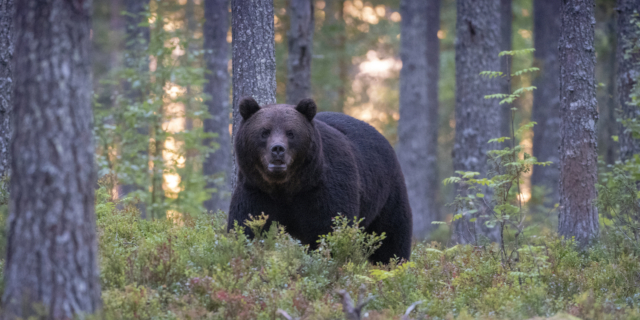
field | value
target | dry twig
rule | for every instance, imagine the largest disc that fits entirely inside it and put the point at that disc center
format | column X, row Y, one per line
column 285, row 315
column 411, row 307
column 352, row 312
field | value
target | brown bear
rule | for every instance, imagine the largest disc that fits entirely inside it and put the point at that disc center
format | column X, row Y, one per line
column 302, row 170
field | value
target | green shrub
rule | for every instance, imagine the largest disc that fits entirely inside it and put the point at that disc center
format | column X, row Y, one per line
column 161, row 269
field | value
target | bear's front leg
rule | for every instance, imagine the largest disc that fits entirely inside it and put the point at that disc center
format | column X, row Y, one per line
column 246, row 203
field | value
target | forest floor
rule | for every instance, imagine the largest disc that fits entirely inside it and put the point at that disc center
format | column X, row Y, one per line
column 195, row 269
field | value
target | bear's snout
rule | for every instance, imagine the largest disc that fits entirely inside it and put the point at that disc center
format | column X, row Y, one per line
column 277, row 151
column 278, row 161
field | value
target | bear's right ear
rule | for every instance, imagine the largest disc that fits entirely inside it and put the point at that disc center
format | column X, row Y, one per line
column 248, row 107
column 308, row 108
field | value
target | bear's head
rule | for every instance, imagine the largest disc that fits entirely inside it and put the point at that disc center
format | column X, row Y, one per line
column 275, row 142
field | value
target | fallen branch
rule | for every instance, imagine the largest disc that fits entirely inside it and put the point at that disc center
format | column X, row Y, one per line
column 285, row 315
column 352, row 312
column 411, row 307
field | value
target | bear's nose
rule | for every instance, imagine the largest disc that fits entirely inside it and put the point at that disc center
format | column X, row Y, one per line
column 277, row 150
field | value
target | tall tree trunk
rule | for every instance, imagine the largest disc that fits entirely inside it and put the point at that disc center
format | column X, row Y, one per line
column 343, row 59
column 254, row 58
column 628, row 72
column 192, row 24
column 116, row 25
column 477, row 119
column 334, row 31
column 610, row 126
column 417, row 148
column 433, row 107
column 578, row 217
column 6, row 81
column 136, row 43
column 546, row 99
column 217, row 163
column 52, row 248
column 605, row 72
column 300, row 48
column 506, row 18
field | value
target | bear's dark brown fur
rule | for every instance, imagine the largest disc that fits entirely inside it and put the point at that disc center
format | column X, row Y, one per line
column 302, row 170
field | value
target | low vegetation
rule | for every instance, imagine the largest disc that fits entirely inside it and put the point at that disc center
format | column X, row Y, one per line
column 193, row 268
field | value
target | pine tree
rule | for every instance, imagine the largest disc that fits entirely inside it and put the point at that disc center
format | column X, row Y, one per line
column 253, row 56
column 136, row 43
column 546, row 99
column 628, row 71
column 578, row 217
column 477, row 119
column 418, row 124
column 300, row 39
column 6, row 81
column 52, row 248
column 218, row 163
column 506, row 19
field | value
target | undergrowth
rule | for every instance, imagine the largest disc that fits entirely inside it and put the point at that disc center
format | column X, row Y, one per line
column 195, row 269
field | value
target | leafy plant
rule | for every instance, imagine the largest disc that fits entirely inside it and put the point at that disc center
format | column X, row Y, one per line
column 497, row 198
column 348, row 243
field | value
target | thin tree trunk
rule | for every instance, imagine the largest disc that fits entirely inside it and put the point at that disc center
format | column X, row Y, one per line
column 116, row 24
column 52, row 248
column 136, row 43
column 477, row 119
column 217, row 163
column 610, row 126
column 300, row 48
column 6, row 81
column 628, row 72
column 192, row 24
column 334, row 31
column 578, row 217
column 546, row 99
column 254, row 61
column 506, row 17
column 433, row 106
column 417, row 149
column 343, row 58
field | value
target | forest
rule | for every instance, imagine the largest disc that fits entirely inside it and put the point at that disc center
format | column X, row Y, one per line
column 516, row 124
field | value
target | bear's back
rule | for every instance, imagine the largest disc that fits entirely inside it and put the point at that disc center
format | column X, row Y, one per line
column 378, row 166
column 367, row 140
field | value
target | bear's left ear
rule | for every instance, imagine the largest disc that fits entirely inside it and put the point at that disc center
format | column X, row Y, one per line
column 308, row 108
column 248, row 107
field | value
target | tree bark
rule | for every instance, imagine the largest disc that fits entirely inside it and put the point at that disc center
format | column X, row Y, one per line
column 300, row 49
column 506, row 18
column 608, row 126
column 578, row 217
column 477, row 119
column 546, row 98
column 217, row 163
column 6, row 83
column 628, row 72
column 418, row 124
column 136, row 43
column 116, row 28
column 335, row 56
column 52, row 248
column 253, row 56
column 192, row 24
column 433, row 106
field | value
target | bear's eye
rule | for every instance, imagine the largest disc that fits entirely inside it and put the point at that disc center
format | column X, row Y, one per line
column 289, row 134
column 265, row 133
